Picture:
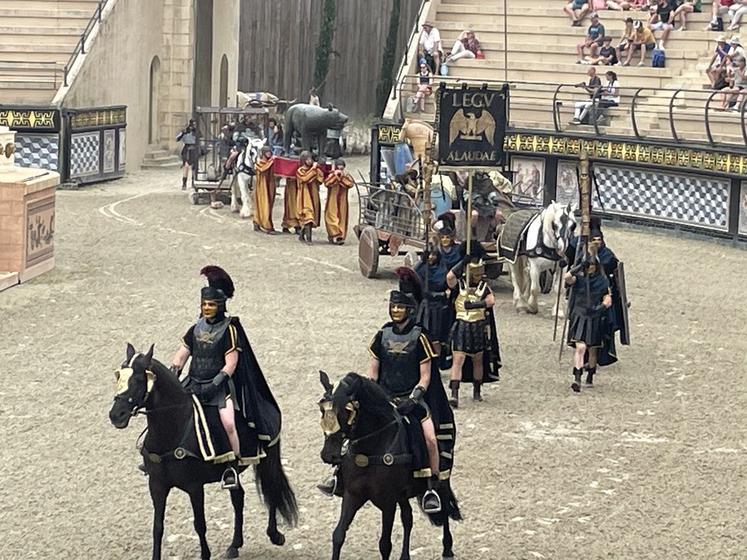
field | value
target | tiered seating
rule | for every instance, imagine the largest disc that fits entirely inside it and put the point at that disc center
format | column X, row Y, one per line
column 37, row 38
column 541, row 48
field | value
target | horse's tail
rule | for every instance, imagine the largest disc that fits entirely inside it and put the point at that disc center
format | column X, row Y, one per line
column 273, row 486
column 449, row 507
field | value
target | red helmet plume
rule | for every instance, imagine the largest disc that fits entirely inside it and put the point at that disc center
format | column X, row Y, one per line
column 218, row 278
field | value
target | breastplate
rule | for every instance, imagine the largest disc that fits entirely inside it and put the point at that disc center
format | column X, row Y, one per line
column 207, row 352
column 399, row 370
column 472, row 295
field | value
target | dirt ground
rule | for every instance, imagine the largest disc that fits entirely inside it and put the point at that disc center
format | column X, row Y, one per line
column 651, row 463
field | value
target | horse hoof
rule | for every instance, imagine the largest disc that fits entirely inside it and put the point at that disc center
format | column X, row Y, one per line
column 450, row 557
column 532, row 311
column 277, row 538
column 232, row 552
column 234, row 209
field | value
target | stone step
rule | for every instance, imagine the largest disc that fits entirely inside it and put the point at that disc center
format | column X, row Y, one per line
column 153, row 154
column 60, row 6
column 27, row 96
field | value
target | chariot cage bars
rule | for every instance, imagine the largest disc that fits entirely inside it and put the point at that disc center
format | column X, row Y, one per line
column 687, row 117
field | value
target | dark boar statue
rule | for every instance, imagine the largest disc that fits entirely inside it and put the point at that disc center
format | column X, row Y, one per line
column 311, row 123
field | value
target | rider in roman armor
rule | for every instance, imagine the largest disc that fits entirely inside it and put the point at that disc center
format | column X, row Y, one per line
column 589, row 304
column 402, row 363
column 471, row 332
column 401, row 355
column 224, row 374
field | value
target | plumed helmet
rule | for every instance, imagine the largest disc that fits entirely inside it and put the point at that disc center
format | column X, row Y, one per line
column 446, row 224
column 409, row 284
column 220, row 287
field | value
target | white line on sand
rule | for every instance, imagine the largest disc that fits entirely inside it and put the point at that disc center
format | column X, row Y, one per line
column 330, row 265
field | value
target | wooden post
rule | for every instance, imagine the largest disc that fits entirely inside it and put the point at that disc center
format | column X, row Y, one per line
column 469, row 213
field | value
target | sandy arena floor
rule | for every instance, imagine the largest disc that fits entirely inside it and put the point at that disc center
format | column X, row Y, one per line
column 651, row 463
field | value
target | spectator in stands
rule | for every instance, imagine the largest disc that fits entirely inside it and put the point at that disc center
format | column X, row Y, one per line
column 663, row 19
column 424, row 85
column 626, row 41
column 733, row 96
column 577, row 10
column 466, row 46
column 716, row 68
column 430, row 46
column 687, row 7
column 593, row 89
column 627, row 4
column 736, row 12
column 593, row 39
column 718, row 9
column 607, row 54
column 735, row 51
column 644, row 41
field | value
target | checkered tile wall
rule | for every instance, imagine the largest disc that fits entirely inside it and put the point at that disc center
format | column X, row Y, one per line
column 688, row 199
column 84, row 154
column 37, row 150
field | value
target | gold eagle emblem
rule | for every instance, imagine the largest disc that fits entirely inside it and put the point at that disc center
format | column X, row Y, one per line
column 396, row 347
column 469, row 127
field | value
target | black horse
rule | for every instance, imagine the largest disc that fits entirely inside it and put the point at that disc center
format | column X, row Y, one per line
column 359, row 422
column 145, row 384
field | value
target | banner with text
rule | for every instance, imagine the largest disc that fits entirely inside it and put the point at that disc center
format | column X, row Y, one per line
column 472, row 126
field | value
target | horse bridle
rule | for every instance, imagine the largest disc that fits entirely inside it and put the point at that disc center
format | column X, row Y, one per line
column 123, row 375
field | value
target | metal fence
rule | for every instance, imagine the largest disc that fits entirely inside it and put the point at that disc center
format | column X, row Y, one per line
column 675, row 116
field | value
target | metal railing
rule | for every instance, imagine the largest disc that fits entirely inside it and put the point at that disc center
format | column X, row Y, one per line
column 80, row 48
column 391, row 209
column 33, row 69
column 674, row 115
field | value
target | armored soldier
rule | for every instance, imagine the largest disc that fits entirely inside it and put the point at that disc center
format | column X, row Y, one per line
column 470, row 332
column 435, row 312
column 590, row 300
column 224, row 374
column 450, row 251
column 401, row 355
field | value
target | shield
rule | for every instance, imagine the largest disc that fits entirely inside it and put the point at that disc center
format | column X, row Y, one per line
column 624, row 304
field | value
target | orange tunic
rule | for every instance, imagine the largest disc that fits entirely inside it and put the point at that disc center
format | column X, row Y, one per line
column 336, row 211
column 290, row 207
column 307, row 197
column 264, row 194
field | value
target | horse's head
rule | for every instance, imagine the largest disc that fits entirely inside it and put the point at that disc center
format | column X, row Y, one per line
column 334, row 435
column 560, row 221
column 134, row 384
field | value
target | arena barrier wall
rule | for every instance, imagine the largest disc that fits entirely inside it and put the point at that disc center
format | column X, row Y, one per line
column 82, row 145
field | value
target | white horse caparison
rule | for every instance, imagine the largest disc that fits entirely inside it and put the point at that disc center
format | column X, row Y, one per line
column 545, row 242
column 241, row 184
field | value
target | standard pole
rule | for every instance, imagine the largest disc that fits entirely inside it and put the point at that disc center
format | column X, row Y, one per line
column 469, row 214
column 505, row 41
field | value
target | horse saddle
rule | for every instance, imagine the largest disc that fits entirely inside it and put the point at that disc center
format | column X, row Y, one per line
column 510, row 242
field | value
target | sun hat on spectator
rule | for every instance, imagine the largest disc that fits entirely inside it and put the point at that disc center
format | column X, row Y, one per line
column 735, row 40
column 721, row 39
column 637, row 25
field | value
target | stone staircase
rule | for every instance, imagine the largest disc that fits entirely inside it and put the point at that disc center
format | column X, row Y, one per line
column 542, row 55
column 37, row 37
column 157, row 158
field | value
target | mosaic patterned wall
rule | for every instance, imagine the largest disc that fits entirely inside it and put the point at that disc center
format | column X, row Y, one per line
column 687, row 199
column 41, row 151
column 84, row 154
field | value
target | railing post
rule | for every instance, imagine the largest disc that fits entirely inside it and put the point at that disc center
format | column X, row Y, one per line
column 83, row 43
column 671, row 116
column 556, row 109
column 707, row 117
column 632, row 113
column 741, row 118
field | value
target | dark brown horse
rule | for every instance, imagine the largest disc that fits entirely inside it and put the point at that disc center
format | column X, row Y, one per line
column 359, row 421
column 146, row 385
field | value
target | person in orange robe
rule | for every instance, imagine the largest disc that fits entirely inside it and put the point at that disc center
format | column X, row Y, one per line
column 290, row 207
column 336, row 211
column 309, row 176
column 264, row 191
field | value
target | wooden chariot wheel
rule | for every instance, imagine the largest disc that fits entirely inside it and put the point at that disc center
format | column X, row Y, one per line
column 368, row 252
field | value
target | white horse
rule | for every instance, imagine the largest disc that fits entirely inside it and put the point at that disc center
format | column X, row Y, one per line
column 242, row 184
column 541, row 247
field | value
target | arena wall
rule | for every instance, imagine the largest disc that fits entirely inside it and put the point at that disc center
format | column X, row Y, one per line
column 282, row 62
column 225, row 43
column 117, row 68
